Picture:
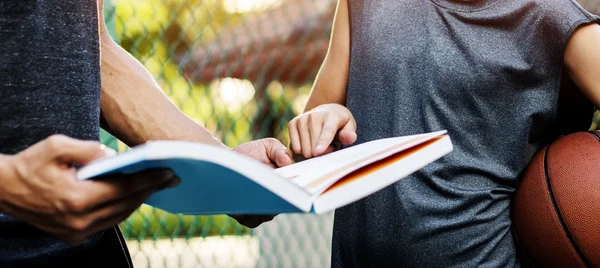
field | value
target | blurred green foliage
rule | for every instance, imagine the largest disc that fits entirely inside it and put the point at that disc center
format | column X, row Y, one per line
column 152, row 223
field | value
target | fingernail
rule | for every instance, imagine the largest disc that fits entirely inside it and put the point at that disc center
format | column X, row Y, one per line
column 319, row 148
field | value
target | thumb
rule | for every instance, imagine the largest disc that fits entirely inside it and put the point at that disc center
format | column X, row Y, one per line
column 277, row 153
column 65, row 149
column 347, row 135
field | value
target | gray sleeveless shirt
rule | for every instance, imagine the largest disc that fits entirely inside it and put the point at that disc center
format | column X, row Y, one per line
column 489, row 72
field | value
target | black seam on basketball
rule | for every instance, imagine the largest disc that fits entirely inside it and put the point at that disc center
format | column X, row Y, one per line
column 595, row 135
column 560, row 218
column 523, row 249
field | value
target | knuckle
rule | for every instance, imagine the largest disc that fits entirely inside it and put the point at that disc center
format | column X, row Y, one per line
column 315, row 118
column 328, row 129
column 323, row 140
column 56, row 141
column 79, row 225
column 302, row 120
column 334, row 118
column 323, row 114
column 272, row 140
column 74, row 203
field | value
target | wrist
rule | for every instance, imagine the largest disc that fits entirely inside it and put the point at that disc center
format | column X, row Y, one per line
column 7, row 173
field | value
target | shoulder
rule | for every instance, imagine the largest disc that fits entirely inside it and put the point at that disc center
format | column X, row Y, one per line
column 559, row 18
column 567, row 10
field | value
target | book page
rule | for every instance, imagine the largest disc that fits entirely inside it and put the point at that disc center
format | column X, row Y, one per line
column 380, row 174
column 307, row 171
column 316, row 174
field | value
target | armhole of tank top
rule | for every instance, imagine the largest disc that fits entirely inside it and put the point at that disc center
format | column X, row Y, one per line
column 585, row 12
column 562, row 129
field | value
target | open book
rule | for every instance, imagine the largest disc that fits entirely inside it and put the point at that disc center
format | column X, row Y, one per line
column 219, row 181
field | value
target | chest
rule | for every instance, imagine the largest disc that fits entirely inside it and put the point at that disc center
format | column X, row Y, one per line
column 445, row 48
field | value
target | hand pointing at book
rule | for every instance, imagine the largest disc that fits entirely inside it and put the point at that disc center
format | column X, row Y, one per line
column 314, row 133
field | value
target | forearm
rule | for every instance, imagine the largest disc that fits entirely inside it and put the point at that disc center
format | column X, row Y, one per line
column 330, row 83
column 134, row 108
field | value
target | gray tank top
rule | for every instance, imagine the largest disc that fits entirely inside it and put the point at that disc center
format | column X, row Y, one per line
column 489, row 72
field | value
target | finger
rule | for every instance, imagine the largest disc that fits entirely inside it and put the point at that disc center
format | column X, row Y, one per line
column 327, row 134
column 304, row 136
column 294, row 137
column 283, row 157
column 43, row 221
column 72, row 150
column 98, row 192
column 75, row 238
column 330, row 149
column 347, row 134
column 277, row 153
column 315, row 124
column 106, row 216
column 118, row 211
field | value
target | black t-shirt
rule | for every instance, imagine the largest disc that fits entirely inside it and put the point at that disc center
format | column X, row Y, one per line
column 49, row 84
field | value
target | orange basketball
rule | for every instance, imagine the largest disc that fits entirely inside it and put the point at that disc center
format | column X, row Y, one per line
column 556, row 207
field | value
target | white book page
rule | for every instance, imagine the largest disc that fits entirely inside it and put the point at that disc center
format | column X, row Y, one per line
column 317, row 174
column 381, row 175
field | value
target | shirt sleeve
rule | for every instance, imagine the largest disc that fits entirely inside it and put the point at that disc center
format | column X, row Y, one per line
column 566, row 16
column 575, row 111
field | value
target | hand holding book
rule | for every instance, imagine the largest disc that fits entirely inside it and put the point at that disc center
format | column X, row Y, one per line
column 270, row 152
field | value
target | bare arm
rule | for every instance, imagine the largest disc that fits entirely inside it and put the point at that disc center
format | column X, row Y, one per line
column 133, row 106
column 135, row 110
column 582, row 60
column 330, row 83
column 325, row 120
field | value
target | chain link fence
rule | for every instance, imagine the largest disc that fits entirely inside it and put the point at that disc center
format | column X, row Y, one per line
column 242, row 69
